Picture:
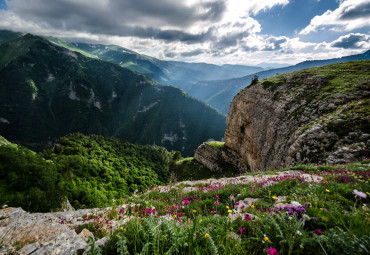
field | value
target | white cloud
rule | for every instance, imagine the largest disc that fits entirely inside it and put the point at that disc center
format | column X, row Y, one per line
column 350, row 15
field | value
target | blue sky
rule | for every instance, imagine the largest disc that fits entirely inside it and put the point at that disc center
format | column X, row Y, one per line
column 3, row 5
column 293, row 17
column 213, row 31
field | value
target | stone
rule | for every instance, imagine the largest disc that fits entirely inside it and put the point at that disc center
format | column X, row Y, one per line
column 66, row 206
column 85, row 234
column 29, row 249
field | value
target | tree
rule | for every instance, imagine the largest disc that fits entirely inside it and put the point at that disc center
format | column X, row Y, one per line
column 254, row 80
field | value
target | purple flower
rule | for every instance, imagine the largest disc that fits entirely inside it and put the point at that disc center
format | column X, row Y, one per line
column 272, row 251
column 359, row 193
column 314, row 218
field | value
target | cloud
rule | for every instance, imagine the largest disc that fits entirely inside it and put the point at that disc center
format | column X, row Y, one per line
column 215, row 31
column 161, row 19
column 352, row 41
column 192, row 53
column 350, row 15
column 275, row 43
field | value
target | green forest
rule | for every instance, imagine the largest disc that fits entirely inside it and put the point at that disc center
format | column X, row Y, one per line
column 91, row 171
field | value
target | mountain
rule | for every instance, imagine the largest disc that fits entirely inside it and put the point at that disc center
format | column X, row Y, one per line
column 220, row 93
column 47, row 91
column 6, row 35
column 318, row 115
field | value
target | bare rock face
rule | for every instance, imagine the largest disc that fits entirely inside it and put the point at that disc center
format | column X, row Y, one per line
column 208, row 157
column 317, row 115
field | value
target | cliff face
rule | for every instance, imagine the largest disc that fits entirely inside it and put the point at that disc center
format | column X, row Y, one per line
column 317, row 115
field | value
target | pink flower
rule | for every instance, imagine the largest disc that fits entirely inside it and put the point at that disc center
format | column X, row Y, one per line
column 359, row 193
column 272, row 251
column 216, row 203
column 317, row 231
column 247, row 217
column 186, row 202
column 243, row 231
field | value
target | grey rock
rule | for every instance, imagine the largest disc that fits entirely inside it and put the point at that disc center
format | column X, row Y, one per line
column 29, row 249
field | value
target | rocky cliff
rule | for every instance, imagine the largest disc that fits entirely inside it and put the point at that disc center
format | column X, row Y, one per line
column 317, row 115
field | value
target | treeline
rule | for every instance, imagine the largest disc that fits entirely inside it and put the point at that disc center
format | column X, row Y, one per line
column 90, row 171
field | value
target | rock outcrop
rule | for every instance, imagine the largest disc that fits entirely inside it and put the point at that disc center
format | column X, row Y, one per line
column 317, row 115
column 49, row 233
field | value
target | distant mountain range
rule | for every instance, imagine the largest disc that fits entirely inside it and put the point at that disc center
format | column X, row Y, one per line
column 48, row 91
column 220, row 93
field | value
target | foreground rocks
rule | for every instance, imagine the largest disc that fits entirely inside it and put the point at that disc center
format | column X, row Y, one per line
column 45, row 233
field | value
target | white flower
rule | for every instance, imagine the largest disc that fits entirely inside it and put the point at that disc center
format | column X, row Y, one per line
column 299, row 232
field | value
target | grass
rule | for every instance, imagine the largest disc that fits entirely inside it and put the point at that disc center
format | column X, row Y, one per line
column 216, row 144
column 323, row 217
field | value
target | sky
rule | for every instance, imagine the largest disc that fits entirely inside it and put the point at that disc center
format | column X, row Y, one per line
column 246, row 32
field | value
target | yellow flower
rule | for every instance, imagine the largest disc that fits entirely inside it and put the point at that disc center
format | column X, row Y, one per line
column 227, row 207
column 274, row 197
column 267, row 239
column 368, row 193
column 174, row 215
column 252, row 206
column 121, row 228
column 327, row 190
column 367, row 213
column 206, row 235
column 229, row 211
column 194, row 211
column 200, row 221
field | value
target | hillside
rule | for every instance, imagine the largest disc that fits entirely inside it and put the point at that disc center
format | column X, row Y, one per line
column 316, row 115
column 89, row 171
column 220, row 93
column 47, row 91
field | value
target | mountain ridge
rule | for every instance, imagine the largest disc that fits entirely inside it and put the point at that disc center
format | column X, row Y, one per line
column 43, row 85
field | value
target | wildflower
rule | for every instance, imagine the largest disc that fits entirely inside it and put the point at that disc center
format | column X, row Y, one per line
column 206, row 235
column 327, row 190
column 359, row 193
column 274, row 197
column 267, row 239
column 243, row 231
column 200, row 221
column 317, row 231
column 227, row 207
column 121, row 228
column 299, row 232
column 368, row 193
column 216, row 202
column 229, row 211
column 213, row 211
column 272, row 251
column 252, row 206
column 194, row 211
column 247, row 217
column 314, row 218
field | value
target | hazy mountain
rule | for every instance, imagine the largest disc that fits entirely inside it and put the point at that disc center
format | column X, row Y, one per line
column 47, row 91
column 220, row 93
column 271, row 65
